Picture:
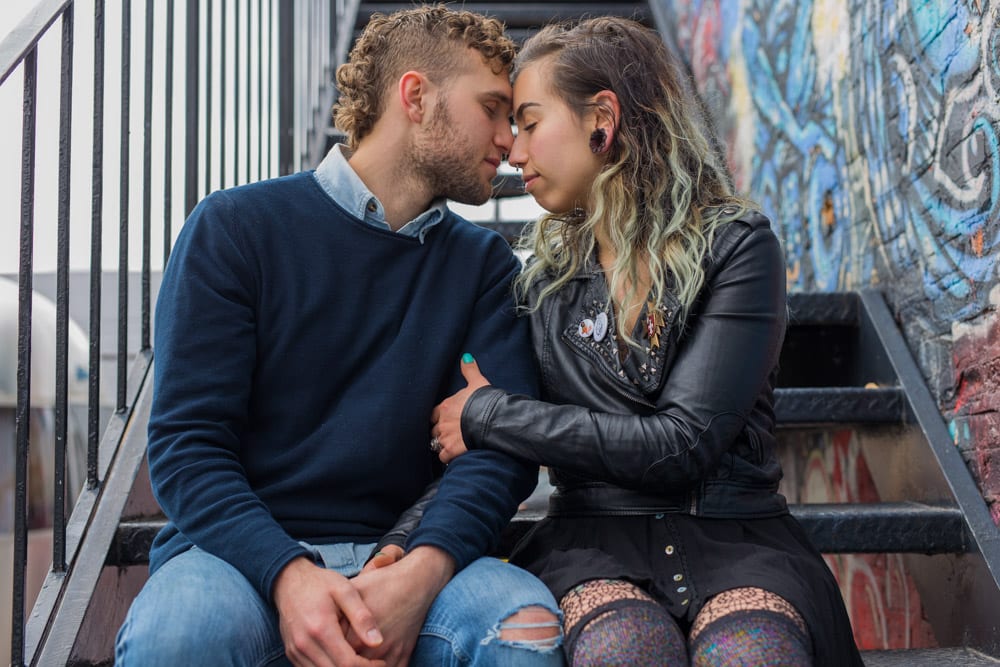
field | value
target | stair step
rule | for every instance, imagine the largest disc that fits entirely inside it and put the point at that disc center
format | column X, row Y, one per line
column 823, row 309
column 839, row 405
column 904, row 527
column 897, row 527
column 525, row 15
column 928, row 657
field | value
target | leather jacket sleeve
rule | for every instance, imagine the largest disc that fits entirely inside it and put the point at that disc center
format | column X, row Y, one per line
column 720, row 371
column 408, row 520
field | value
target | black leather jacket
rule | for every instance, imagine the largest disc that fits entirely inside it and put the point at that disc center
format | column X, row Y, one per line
column 684, row 427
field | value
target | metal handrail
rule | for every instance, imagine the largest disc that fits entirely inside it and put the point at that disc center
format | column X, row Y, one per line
column 15, row 46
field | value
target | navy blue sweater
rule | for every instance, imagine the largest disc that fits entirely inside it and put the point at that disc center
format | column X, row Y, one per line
column 299, row 353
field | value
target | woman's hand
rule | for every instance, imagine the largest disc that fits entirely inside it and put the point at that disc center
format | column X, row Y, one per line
column 388, row 555
column 446, row 419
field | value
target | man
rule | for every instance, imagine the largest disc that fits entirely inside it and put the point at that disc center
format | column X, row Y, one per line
column 306, row 326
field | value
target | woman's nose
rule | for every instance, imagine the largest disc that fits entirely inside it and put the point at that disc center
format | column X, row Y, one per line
column 518, row 156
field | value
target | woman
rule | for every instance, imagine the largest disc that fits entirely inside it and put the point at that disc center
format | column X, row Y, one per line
column 657, row 304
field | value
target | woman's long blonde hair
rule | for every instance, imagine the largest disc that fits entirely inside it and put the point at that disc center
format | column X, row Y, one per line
column 664, row 189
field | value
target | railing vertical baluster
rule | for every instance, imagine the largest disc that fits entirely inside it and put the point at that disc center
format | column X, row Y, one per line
column 123, row 208
column 336, row 14
column 223, row 79
column 286, row 83
column 168, row 136
column 246, row 166
column 270, row 85
column 22, row 422
column 307, row 20
column 236, row 95
column 62, row 294
column 208, row 96
column 260, row 89
column 96, row 232
column 192, row 74
column 147, row 175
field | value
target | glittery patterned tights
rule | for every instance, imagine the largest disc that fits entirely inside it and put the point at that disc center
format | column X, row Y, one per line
column 610, row 623
column 613, row 622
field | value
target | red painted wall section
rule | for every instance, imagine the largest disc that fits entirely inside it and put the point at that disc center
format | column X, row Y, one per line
column 975, row 421
column 881, row 599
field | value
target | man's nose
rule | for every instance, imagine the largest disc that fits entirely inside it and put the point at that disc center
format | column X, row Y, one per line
column 504, row 137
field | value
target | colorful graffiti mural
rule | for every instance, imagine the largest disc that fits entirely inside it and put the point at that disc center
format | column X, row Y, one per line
column 868, row 130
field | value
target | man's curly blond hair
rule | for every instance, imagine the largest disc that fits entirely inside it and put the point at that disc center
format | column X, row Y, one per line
column 431, row 39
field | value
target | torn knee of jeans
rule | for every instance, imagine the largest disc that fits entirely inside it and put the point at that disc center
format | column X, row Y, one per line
column 531, row 627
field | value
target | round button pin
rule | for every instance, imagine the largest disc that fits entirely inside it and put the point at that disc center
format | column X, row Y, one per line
column 600, row 326
column 586, row 328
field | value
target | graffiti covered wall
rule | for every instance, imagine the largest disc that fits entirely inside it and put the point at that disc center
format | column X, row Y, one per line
column 869, row 131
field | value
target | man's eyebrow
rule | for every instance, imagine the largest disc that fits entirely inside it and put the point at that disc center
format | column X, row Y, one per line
column 524, row 105
column 498, row 96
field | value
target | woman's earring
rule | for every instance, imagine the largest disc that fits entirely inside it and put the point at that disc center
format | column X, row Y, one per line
column 598, row 139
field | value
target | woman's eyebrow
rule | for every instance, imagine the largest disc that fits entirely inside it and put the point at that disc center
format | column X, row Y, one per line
column 521, row 107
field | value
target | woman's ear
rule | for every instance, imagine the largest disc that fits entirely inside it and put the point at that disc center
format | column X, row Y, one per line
column 607, row 111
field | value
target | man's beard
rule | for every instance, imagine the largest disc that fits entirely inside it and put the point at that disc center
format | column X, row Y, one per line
column 447, row 162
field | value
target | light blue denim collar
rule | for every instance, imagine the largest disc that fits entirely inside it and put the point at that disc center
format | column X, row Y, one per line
column 343, row 185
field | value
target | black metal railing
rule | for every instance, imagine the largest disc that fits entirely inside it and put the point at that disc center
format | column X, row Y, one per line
column 250, row 102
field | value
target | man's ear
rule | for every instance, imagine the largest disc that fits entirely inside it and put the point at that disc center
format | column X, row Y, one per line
column 413, row 90
column 607, row 111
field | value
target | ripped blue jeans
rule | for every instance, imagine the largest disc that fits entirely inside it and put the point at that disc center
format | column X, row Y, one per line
column 199, row 610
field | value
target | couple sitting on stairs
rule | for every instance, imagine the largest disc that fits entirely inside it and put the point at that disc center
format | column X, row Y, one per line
column 354, row 387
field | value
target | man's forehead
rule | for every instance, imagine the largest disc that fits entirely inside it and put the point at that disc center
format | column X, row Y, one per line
column 477, row 65
column 483, row 83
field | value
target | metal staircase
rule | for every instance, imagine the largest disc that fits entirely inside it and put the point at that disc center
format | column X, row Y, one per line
column 931, row 510
column 844, row 365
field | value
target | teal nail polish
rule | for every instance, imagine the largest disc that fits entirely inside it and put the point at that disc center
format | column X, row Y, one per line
column 467, row 358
